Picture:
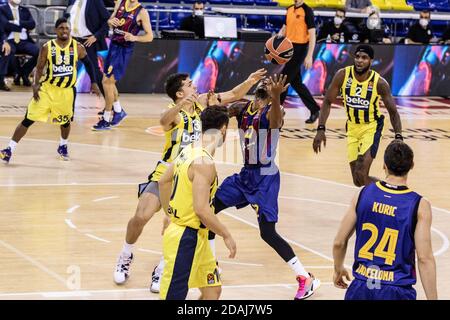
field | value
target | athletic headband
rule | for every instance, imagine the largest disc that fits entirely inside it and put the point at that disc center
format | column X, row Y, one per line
column 366, row 49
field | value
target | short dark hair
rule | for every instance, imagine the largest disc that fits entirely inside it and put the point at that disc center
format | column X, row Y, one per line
column 398, row 158
column 214, row 117
column 341, row 10
column 60, row 21
column 173, row 84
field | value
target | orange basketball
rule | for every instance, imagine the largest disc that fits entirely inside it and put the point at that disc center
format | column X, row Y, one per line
column 278, row 50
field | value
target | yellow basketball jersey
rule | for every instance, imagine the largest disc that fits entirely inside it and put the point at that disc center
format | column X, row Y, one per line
column 62, row 64
column 184, row 133
column 181, row 205
column 361, row 99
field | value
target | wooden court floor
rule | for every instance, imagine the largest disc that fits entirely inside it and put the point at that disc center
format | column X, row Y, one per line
column 63, row 223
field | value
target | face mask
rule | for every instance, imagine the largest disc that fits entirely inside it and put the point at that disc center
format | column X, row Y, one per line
column 198, row 12
column 423, row 22
column 372, row 23
column 338, row 20
column 17, row 2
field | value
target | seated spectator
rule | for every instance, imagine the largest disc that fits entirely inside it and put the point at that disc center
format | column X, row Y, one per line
column 18, row 21
column 195, row 23
column 355, row 24
column 374, row 31
column 446, row 36
column 420, row 32
column 334, row 29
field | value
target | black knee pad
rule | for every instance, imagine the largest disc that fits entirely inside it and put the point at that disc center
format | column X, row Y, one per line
column 66, row 125
column 27, row 122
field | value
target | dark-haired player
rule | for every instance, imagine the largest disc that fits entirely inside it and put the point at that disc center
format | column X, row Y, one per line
column 181, row 124
column 392, row 223
column 361, row 89
column 55, row 93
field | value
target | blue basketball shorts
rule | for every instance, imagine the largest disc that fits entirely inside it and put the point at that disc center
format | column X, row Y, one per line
column 116, row 61
column 359, row 290
column 250, row 187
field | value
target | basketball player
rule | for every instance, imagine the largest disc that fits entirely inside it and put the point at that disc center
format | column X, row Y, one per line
column 361, row 89
column 55, row 94
column 181, row 124
column 391, row 223
column 258, row 183
column 186, row 189
column 128, row 18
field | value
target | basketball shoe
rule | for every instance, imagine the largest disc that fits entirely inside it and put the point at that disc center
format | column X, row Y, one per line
column 5, row 154
column 306, row 287
column 101, row 125
column 123, row 269
column 63, row 153
column 118, row 117
column 156, row 280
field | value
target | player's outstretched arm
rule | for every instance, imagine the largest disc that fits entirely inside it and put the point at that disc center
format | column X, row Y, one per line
column 41, row 63
column 276, row 112
column 385, row 92
column 204, row 173
column 165, row 187
column 330, row 97
column 344, row 233
column 235, row 94
column 425, row 257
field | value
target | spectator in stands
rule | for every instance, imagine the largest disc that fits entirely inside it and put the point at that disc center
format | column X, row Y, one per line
column 195, row 22
column 420, row 32
column 336, row 30
column 89, row 21
column 18, row 22
column 446, row 36
column 5, row 49
column 355, row 24
column 374, row 31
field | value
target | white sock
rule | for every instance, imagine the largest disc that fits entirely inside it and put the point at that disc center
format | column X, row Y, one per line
column 12, row 145
column 212, row 244
column 127, row 249
column 117, row 107
column 297, row 266
column 107, row 116
column 160, row 266
column 63, row 141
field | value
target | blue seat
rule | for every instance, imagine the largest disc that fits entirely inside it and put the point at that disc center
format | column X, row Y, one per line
column 163, row 21
column 267, row 3
column 243, row 2
column 256, row 21
column 177, row 17
column 419, row 4
column 274, row 23
column 219, row 1
column 440, row 5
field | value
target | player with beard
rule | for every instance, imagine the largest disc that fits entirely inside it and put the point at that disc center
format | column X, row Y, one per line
column 361, row 89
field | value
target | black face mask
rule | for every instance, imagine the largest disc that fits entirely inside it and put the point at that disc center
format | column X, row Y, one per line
column 362, row 71
column 261, row 93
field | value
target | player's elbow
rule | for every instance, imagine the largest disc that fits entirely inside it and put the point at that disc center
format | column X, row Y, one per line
column 425, row 259
column 339, row 244
column 201, row 210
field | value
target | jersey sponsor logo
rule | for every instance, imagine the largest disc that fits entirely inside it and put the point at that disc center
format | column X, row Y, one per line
column 210, row 278
column 374, row 272
column 53, row 51
column 189, row 138
column 357, row 102
column 62, row 69
column 370, row 86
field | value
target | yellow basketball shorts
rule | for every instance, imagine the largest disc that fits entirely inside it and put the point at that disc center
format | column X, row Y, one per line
column 54, row 101
column 362, row 137
column 189, row 262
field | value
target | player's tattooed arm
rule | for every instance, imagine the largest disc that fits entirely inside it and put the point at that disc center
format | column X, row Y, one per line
column 425, row 257
column 330, row 96
column 346, row 229
column 82, row 55
column 234, row 94
column 41, row 63
column 235, row 109
column 165, row 187
column 385, row 92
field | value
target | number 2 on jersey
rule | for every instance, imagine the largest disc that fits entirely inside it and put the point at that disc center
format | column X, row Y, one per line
column 389, row 239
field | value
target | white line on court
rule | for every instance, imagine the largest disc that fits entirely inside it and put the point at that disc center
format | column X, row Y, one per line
column 241, row 263
column 81, row 293
column 445, row 244
column 70, row 223
column 150, row 251
column 33, row 262
column 96, row 238
column 72, row 209
column 105, row 198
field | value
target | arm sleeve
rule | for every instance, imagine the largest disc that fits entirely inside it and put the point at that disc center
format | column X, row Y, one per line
column 309, row 18
column 89, row 68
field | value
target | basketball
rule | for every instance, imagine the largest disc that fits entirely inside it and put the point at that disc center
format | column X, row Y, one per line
column 278, row 50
